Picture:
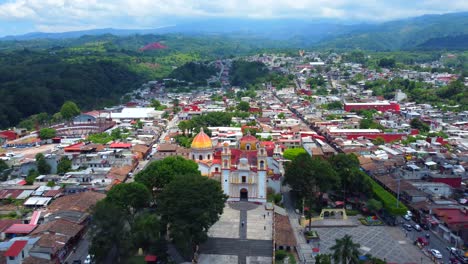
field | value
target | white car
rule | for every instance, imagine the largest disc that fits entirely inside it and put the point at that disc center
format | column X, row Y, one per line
column 87, row 260
column 407, row 217
column 436, row 253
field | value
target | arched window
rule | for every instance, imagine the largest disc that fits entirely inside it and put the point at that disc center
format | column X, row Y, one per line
column 225, row 163
column 247, row 146
column 262, row 151
column 216, row 169
column 200, row 157
column 262, row 165
column 193, row 157
column 209, row 156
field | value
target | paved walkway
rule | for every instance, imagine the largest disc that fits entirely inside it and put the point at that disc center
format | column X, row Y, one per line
column 240, row 236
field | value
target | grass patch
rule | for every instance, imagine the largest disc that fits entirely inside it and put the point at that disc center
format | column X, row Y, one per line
column 352, row 212
column 368, row 222
column 136, row 260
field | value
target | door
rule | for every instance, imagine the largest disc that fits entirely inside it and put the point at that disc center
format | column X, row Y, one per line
column 244, row 194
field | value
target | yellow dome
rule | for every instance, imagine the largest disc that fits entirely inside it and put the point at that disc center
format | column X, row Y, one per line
column 202, row 141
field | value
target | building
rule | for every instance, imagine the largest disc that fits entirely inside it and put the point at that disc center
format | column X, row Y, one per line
column 383, row 106
column 241, row 170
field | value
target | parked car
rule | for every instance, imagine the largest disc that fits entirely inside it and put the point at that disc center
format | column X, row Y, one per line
column 407, row 227
column 436, row 253
column 452, row 250
column 87, row 260
column 423, row 241
column 407, row 217
column 417, row 228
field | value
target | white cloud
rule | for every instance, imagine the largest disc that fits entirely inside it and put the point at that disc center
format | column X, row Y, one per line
column 57, row 15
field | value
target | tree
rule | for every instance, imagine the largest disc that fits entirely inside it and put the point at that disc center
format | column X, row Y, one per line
column 3, row 165
column 378, row 141
column 32, row 175
column 243, row 106
column 47, row 133
column 109, row 232
column 292, row 153
column 64, row 165
column 191, row 204
column 146, row 234
column 345, row 251
column 131, row 197
column 374, row 205
column 351, row 177
column 50, row 184
column 323, row 259
column 281, row 116
column 161, row 172
column 42, row 166
column 420, row 125
column 69, row 110
column 310, row 177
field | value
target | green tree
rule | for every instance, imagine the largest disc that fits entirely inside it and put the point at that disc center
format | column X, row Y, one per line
column 32, row 175
column 310, row 177
column 69, row 110
column 420, row 125
column 109, row 231
column 50, row 184
column 191, row 204
column 64, row 165
column 146, row 234
column 47, row 133
column 378, row 141
column 161, row 172
column 351, row 177
column 292, row 153
column 42, row 166
column 345, row 251
column 323, row 259
column 243, row 106
column 281, row 116
column 131, row 197
column 3, row 165
column 374, row 205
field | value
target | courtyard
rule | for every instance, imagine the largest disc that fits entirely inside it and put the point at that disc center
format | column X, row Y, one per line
column 386, row 242
column 243, row 234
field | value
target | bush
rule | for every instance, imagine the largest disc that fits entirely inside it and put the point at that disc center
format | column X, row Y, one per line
column 352, row 212
column 388, row 200
column 280, row 254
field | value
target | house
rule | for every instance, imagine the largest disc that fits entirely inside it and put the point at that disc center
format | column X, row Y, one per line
column 75, row 207
column 5, row 224
column 284, row 238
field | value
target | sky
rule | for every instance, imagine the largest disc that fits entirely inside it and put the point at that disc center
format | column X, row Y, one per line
column 23, row 16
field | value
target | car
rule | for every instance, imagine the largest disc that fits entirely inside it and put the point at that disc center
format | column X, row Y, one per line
column 409, row 213
column 417, row 228
column 452, row 250
column 77, row 261
column 87, row 260
column 436, row 253
column 423, row 241
column 407, row 227
column 407, row 217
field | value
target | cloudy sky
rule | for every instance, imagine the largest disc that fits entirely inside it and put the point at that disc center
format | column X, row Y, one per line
column 22, row 16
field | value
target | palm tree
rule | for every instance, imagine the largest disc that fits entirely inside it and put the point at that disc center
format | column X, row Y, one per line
column 345, row 251
column 323, row 259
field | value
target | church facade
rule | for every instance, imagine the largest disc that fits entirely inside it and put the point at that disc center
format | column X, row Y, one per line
column 242, row 171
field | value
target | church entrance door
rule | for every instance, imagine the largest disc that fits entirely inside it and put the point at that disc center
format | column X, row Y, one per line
column 244, row 194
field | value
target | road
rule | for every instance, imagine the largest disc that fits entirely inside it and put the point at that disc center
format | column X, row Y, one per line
column 304, row 250
column 81, row 251
column 434, row 240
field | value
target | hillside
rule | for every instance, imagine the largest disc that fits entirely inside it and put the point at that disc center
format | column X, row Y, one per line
column 449, row 43
column 404, row 34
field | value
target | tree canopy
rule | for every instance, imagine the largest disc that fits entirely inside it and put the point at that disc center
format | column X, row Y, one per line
column 47, row 133
column 292, row 153
column 64, row 165
column 42, row 166
column 191, row 204
column 69, row 110
column 345, row 251
column 161, row 172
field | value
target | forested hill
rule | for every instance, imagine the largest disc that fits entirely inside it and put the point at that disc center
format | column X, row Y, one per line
column 35, row 82
column 448, row 43
column 406, row 34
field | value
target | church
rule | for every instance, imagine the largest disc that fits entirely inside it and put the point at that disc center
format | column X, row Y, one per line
column 243, row 171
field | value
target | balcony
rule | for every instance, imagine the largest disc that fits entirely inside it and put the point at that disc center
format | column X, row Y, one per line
column 238, row 180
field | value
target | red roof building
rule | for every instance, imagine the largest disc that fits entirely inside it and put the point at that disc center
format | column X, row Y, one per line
column 21, row 229
column 9, row 135
column 16, row 248
column 379, row 106
column 121, row 145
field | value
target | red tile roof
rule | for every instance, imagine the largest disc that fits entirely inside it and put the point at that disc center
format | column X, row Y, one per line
column 6, row 223
column 15, row 248
column 120, row 145
column 20, row 229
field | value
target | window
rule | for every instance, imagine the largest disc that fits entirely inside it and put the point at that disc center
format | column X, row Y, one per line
column 244, row 179
column 216, row 169
column 209, row 156
column 262, row 165
column 200, row 157
column 193, row 157
column 225, row 163
column 247, row 146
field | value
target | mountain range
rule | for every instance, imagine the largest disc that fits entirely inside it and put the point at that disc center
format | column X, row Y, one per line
column 423, row 32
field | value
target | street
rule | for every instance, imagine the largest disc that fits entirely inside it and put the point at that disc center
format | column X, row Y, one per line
column 435, row 241
column 81, row 251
